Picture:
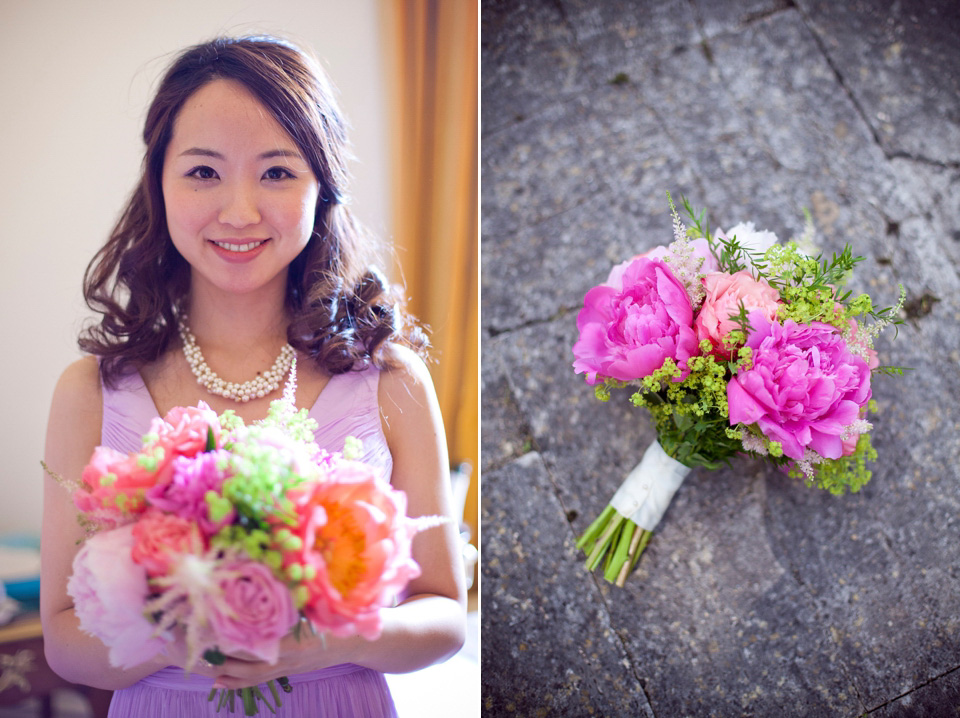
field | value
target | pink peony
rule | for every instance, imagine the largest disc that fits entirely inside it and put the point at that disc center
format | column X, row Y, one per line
column 160, row 538
column 628, row 329
column 185, row 493
column 804, row 388
column 356, row 541
column 725, row 293
column 109, row 591
column 700, row 246
column 253, row 610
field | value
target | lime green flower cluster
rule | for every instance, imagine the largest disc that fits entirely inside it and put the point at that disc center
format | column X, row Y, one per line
column 690, row 412
column 262, row 475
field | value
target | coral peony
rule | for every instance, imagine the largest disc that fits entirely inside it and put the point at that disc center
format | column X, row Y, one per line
column 109, row 591
column 725, row 294
column 628, row 329
column 804, row 389
column 355, row 551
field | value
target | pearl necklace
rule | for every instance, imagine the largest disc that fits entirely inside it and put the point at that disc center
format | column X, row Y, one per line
column 257, row 388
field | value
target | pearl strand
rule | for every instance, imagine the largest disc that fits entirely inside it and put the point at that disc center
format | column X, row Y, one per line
column 257, row 388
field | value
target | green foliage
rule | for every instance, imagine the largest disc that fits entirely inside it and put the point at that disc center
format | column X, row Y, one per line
column 690, row 414
column 848, row 473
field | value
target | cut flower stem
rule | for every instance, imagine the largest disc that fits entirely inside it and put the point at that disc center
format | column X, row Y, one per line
column 618, row 540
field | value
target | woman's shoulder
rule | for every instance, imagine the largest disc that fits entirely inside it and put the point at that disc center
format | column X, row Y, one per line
column 76, row 413
column 403, row 368
column 406, row 392
column 79, row 386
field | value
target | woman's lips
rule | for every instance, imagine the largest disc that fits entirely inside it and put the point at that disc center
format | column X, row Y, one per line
column 238, row 251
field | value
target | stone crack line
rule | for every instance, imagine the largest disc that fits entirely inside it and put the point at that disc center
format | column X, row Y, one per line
column 913, row 690
column 860, row 109
column 535, row 447
column 563, row 311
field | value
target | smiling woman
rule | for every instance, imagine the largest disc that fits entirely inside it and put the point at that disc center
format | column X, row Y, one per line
column 237, row 240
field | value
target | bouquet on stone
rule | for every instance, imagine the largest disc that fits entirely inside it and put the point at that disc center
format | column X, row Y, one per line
column 234, row 536
column 735, row 344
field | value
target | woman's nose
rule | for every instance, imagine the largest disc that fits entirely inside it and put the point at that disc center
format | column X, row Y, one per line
column 240, row 207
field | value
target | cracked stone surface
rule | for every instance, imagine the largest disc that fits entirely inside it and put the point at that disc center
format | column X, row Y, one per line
column 757, row 596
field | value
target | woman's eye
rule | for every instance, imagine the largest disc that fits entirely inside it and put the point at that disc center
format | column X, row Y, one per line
column 202, row 173
column 278, row 173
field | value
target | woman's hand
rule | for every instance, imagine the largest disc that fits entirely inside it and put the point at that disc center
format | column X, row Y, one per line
column 301, row 654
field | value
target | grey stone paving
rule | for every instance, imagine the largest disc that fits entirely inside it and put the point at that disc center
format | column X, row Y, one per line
column 757, row 596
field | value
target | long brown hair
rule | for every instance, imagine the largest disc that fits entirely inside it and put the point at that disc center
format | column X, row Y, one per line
column 342, row 310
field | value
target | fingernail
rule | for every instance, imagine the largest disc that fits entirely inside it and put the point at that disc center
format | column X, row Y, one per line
column 218, row 685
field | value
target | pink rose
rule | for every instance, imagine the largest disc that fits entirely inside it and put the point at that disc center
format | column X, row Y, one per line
column 253, row 611
column 160, row 538
column 109, row 591
column 356, row 538
column 804, row 388
column 184, row 430
column 701, row 248
column 628, row 329
column 725, row 293
column 185, row 493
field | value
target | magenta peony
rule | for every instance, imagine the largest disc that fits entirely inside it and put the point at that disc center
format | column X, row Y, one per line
column 725, row 294
column 804, row 389
column 109, row 591
column 185, row 493
column 252, row 611
column 629, row 328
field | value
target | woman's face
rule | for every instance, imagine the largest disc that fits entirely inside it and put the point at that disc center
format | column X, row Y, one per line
column 240, row 197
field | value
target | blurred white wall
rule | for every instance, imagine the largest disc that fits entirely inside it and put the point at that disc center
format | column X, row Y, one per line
column 75, row 80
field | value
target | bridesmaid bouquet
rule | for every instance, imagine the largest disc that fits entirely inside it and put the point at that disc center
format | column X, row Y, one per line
column 235, row 535
column 735, row 344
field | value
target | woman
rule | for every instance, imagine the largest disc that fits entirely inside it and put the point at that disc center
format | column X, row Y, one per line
column 235, row 244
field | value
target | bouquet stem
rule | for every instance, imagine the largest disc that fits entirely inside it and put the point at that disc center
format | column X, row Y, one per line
column 620, row 534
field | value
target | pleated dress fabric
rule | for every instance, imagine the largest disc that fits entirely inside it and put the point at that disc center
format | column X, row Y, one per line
column 347, row 406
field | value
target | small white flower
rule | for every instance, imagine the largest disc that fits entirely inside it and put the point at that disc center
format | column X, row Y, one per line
column 753, row 241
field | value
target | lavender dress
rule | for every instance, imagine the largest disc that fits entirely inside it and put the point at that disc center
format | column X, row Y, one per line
column 347, row 406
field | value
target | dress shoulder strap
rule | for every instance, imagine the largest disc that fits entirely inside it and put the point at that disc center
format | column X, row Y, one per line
column 127, row 411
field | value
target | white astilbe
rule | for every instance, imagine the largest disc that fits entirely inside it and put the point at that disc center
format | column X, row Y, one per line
column 684, row 263
column 753, row 443
column 860, row 426
column 806, row 464
column 859, row 342
column 189, row 592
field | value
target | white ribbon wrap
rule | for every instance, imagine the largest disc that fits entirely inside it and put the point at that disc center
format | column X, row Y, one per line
column 644, row 495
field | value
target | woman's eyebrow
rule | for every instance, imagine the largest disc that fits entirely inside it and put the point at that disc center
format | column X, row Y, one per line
column 204, row 152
